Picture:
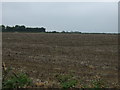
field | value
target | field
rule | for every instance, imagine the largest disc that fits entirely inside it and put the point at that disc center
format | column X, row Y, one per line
column 43, row 56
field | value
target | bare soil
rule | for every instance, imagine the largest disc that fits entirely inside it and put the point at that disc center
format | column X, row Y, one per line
column 44, row 55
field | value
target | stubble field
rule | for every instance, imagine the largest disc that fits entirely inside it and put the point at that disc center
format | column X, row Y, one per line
column 43, row 56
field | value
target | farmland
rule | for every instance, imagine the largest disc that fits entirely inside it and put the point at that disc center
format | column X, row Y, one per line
column 43, row 56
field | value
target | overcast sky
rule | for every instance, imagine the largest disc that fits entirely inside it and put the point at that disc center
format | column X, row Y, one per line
column 59, row 16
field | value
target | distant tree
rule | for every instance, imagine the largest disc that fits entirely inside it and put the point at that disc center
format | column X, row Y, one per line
column 8, row 28
column 76, row 32
column 42, row 29
column 22, row 28
column 54, row 32
column 17, row 28
column 63, row 32
column 2, row 27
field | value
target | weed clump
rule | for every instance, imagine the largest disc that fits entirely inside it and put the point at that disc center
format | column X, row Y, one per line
column 21, row 80
column 12, row 79
column 67, row 81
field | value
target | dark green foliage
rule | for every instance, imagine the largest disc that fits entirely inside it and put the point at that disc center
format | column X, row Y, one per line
column 2, row 27
column 76, row 32
column 21, row 80
column 12, row 79
column 66, row 81
column 69, row 84
column 21, row 28
column 52, row 32
column 63, row 32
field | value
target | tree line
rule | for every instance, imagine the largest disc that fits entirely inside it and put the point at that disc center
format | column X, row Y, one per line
column 22, row 28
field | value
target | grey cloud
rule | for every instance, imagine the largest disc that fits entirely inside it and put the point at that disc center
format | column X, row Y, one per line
column 85, row 17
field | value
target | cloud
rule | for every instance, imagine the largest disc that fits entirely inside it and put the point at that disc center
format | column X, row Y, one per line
column 86, row 17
